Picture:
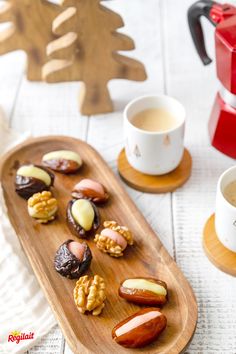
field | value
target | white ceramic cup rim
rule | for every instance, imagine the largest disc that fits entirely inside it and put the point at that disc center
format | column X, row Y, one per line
column 221, row 179
column 157, row 97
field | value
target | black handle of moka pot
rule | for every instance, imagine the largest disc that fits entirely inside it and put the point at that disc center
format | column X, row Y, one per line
column 198, row 9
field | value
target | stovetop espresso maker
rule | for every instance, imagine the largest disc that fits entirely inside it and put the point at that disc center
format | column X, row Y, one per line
column 222, row 123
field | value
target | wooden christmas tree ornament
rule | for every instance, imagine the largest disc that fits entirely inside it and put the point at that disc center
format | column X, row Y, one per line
column 30, row 30
column 87, row 52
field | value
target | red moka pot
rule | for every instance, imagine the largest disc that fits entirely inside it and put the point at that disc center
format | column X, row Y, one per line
column 222, row 124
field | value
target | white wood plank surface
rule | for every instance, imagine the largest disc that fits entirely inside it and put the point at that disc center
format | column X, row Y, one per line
column 11, row 73
column 163, row 43
column 195, row 86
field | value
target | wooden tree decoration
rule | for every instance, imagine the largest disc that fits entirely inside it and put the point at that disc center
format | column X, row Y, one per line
column 87, row 52
column 30, row 31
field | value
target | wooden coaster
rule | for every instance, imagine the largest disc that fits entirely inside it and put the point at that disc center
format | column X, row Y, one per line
column 155, row 184
column 219, row 255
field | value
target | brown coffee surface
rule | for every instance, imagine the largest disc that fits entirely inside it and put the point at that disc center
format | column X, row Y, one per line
column 230, row 193
column 154, row 120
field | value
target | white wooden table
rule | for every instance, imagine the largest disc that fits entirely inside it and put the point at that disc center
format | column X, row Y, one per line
column 163, row 43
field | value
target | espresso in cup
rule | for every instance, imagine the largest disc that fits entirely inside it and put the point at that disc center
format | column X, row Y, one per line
column 230, row 193
column 154, row 120
column 154, row 133
column 225, row 213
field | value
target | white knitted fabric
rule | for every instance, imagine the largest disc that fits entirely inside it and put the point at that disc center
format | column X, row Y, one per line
column 23, row 307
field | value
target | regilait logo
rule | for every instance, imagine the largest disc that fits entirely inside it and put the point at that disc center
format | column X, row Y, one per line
column 16, row 336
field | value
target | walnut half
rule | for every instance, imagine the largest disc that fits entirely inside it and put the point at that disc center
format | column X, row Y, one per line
column 42, row 207
column 89, row 294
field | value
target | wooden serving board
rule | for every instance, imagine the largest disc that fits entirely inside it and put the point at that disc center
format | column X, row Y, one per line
column 148, row 257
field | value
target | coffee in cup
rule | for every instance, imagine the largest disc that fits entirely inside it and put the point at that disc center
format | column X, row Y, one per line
column 154, row 131
column 225, row 214
column 154, row 120
column 230, row 193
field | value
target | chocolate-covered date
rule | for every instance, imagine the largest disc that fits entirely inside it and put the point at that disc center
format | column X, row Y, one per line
column 91, row 190
column 64, row 161
column 31, row 179
column 72, row 259
column 144, row 291
column 82, row 217
column 140, row 329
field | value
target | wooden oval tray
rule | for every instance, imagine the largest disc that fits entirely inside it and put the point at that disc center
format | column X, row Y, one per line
column 85, row 333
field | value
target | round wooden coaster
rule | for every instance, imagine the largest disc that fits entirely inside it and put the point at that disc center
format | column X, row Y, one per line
column 155, row 184
column 219, row 255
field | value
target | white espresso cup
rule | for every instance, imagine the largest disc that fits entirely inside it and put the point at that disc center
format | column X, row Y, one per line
column 225, row 213
column 154, row 153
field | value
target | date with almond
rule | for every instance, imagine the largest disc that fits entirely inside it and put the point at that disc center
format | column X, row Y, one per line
column 144, row 291
column 140, row 329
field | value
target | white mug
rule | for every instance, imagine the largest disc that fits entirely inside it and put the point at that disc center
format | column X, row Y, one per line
column 154, row 153
column 225, row 213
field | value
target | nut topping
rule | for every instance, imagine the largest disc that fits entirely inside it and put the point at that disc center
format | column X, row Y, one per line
column 89, row 189
column 82, row 217
column 42, row 207
column 89, row 294
column 144, row 291
column 31, row 179
column 113, row 239
column 72, row 259
column 63, row 161
column 140, row 329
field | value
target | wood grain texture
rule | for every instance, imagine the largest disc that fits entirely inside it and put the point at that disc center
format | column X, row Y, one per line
column 87, row 51
column 220, row 256
column 155, row 184
column 30, row 31
column 147, row 257
column 195, row 86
